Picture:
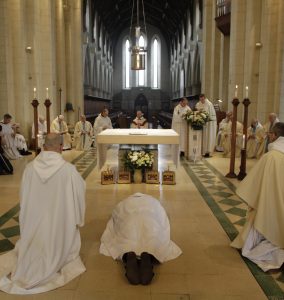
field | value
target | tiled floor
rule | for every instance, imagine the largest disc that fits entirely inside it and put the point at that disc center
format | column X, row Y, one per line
column 205, row 215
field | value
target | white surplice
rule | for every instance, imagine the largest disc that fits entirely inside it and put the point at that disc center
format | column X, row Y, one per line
column 101, row 123
column 8, row 141
column 179, row 125
column 83, row 134
column 140, row 224
column 59, row 127
column 262, row 237
column 46, row 256
column 210, row 129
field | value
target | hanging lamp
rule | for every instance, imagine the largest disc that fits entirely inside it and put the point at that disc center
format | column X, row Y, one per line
column 138, row 53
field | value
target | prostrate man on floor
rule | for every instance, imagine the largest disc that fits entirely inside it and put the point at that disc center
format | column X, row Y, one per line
column 210, row 129
column 139, row 227
column 139, row 121
column 179, row 124
column 59, row 126
column 262, row 238
column 52, row 200
column 83, row 134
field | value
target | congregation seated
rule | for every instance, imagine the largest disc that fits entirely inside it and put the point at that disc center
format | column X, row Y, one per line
column 59, row 126
column 262, row 237
column 13, row 143
column 222, row 126
column 226, row 137
column 255, row 139
column 42, row 131
column 83, row 134
column 139, row 122
column 138, row 233
column 52, row 200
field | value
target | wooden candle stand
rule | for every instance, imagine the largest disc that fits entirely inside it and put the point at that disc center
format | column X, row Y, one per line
column 232, row 173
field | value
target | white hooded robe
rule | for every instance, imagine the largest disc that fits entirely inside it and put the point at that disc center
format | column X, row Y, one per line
column 46, row 256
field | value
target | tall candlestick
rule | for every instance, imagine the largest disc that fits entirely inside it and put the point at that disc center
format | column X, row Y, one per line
column 46, row 93
column 236, row 92
column 247, row 92
column 34, row 93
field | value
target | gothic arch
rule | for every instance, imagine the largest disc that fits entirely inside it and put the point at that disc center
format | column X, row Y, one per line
column 141, row 103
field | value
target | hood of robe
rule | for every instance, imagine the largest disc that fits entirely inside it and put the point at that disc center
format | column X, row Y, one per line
column 277, row 145
column 47, row 163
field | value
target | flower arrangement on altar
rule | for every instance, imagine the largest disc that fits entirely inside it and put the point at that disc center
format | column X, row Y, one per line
column 197, row 119
column 138, row 160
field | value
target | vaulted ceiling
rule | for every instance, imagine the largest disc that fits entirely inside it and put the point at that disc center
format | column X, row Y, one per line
column 167, row 15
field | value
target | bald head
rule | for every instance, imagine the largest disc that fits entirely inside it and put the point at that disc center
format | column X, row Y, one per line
column 53, row 142
column 272, row 117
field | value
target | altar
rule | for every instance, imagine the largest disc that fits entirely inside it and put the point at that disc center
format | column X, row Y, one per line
column 137, row 137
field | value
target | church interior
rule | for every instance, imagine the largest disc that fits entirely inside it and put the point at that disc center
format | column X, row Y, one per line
column 72, row 58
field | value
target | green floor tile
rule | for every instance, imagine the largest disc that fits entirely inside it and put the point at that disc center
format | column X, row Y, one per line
column 223, row 194
column 11, row 231
column 237, row 211
column 217, row 187
column 231, row 202
column 241, row 222
column 6, row 245
column 206, row 176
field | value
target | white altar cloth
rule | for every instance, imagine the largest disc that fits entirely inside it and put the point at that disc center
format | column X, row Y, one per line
column 137, row 137
column 194, row 144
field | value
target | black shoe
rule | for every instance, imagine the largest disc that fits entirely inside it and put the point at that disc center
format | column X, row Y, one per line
column 146, row 268
column 181, row 154
column 206, row 155
column 131, row 267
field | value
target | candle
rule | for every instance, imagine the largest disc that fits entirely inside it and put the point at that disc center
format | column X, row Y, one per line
column 34, row 93
column 244, row 141
column 236, row 92
column 247, row 92
column 46, row 93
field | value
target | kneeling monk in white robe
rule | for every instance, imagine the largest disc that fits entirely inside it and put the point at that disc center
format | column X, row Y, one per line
column 139, row 226
column 52, row 203
column 262, row 238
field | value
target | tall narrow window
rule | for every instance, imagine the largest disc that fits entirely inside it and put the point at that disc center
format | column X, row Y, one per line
column 155, row 64
column 127, row 64
column 141, row 73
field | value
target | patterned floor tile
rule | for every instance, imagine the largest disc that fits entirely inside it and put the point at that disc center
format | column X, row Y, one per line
column 237, row 211
column 223, row 194
column 231, row 202
column 11, row 231
column 5, row 245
